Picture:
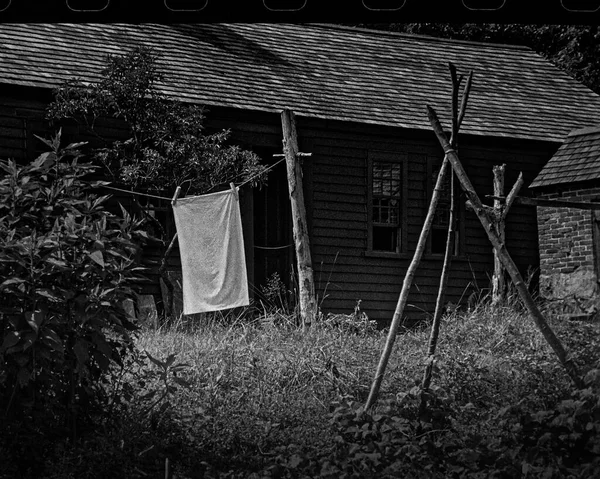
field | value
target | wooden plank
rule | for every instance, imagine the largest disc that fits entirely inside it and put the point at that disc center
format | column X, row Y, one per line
column 523, row 200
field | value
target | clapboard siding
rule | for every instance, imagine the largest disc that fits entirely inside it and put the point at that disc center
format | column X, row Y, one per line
column 336, row 191
column 339, row 194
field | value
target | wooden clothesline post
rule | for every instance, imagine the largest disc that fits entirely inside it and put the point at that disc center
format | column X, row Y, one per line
column 306, row 284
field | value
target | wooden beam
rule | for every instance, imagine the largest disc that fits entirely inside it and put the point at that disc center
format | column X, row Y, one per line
column 306, row 284
column 523, row 200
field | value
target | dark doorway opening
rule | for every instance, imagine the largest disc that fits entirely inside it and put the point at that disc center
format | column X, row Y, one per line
column 273, row 237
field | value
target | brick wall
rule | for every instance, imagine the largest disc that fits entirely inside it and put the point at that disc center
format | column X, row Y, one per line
column 567, row 256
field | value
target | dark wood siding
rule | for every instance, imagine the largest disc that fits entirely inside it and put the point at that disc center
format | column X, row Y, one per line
column 336, row 195
column 345, row 274
column 336, row 191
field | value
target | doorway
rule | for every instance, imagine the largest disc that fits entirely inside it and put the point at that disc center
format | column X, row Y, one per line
column 273, row 237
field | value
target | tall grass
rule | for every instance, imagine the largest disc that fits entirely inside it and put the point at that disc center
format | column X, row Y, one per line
column 238, row 398
column 257, row 388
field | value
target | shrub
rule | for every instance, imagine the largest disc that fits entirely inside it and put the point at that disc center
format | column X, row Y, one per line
column 67, row 265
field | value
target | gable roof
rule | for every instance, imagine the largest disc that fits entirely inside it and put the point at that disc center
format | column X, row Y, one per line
column 321, row 71
column 577, row 159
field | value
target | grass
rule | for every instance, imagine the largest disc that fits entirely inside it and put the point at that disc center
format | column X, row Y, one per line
column 257, row 400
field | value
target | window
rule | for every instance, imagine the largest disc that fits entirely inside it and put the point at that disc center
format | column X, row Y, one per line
column 386, row 203
column 439, row 227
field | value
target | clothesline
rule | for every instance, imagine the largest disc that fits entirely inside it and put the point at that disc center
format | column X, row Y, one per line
column 262, row 172
column 273, row 247
column 137, row 193
column 169, row 199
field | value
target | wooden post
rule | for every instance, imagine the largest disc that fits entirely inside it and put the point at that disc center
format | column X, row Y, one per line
column 457, row 118
column 412, row 268
column 498, row 283
column 306, row 285
column 505, row 257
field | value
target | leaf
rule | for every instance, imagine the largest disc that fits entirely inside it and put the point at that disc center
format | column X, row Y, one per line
column 34, row 319
column 97, row 257
column 59, row 263
column 74, row 146
column 28, row 340
column 170, row 359
column 81, row 351
column 52, row 340
column 11, row 281
column 46, row 142
column 11, row 339
column 46, row 293
column 44, row 161
column 158, row 362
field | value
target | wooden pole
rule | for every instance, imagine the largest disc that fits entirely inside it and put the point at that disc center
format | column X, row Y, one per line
column 457, row 118
column 498, row 283
column 505, row 257
column 306, row 285
column 410, row 272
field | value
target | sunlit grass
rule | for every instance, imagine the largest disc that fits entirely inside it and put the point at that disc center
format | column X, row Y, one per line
column 257, row 388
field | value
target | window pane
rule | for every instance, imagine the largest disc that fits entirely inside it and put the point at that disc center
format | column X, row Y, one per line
column 386, row 197
column 385, row 239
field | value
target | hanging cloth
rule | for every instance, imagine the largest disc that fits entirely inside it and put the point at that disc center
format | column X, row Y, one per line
column 211, row 245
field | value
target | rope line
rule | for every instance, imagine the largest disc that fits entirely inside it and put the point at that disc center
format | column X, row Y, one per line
column 273, row 247
column 262, row 172
column 169, row 199
column 137, row 193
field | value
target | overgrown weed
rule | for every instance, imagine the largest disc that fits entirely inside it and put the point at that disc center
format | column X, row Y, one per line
column 266, row 399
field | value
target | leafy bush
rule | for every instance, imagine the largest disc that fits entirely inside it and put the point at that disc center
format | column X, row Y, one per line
column 67, row 264
column 167, row 144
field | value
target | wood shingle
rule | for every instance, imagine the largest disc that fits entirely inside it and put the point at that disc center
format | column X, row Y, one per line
column 577, row 159
column 320, row 71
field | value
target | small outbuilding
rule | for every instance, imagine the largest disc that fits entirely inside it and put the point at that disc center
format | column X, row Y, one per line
column 569, row 238
column 360, row 101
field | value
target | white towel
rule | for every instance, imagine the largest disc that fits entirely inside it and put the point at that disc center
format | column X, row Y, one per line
column 211, row 245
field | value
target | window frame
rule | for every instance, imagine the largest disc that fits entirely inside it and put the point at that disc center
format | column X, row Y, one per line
column 459, row 205
column 388, row 157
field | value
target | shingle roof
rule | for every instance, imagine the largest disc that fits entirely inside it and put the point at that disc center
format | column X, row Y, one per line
column 577, row 159
column 321, row 71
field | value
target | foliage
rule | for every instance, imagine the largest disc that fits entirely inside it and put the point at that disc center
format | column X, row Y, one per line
column 167, row 145
column 278, row 402
column 67, row 266
column 276, row 298
column 357, row 322
column 573, row 48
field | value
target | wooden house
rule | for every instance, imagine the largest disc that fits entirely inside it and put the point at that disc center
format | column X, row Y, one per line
column 359, row 97
column 569, row 237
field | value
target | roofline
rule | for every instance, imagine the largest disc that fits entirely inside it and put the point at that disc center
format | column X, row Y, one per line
column 577, row 184
column 432, row 38
column 209, row 104
column 584, row 131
